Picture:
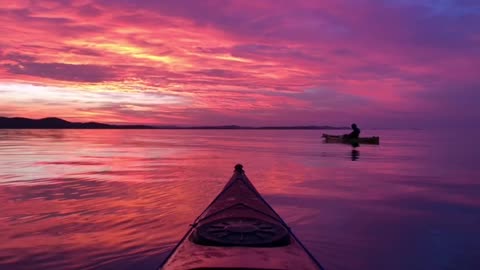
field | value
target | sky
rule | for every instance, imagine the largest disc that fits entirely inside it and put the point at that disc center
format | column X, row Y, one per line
column 404, row 63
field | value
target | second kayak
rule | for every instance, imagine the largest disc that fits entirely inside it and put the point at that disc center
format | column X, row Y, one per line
column 341, row 139
column 240, row 230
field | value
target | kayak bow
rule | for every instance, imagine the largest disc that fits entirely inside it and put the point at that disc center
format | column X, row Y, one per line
column 239, row 230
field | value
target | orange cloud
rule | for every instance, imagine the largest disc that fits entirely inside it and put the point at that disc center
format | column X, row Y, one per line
column 233, row 61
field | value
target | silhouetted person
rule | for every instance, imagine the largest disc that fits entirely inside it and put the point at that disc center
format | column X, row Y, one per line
column 354, row 134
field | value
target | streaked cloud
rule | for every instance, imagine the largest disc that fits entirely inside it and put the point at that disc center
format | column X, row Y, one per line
column 253, row 63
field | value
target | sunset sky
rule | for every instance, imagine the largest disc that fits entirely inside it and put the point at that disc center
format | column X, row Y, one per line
column 404, row 63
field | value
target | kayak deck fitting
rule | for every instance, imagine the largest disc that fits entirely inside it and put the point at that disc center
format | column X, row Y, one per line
column 239, row 230
column 342, row 139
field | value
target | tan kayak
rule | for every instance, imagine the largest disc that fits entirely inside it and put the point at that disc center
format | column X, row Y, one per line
column 240, row 230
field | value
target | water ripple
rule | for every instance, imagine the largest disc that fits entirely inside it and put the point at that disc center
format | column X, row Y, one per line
column 121, row 199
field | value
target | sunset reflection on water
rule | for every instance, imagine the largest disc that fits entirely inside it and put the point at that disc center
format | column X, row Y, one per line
column 102, row 199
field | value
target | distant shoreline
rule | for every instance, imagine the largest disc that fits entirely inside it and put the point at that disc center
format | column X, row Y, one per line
column 58, row 123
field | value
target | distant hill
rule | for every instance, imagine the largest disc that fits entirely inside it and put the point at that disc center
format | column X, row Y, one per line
column 58, row 123
column 266, row 127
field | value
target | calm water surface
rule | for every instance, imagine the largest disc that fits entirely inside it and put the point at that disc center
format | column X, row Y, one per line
column 104, row 199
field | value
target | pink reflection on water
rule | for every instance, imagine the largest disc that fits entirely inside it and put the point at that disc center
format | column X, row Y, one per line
column 122, row 198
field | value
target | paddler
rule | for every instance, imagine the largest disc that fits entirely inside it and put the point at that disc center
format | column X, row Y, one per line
column 354, row 134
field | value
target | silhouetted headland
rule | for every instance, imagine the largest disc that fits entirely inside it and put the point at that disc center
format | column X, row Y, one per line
column 58, row 123
column 246, row 127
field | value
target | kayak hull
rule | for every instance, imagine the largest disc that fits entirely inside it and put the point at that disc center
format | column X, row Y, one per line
column 193, row 257
column 342, row 139
column 240, row 230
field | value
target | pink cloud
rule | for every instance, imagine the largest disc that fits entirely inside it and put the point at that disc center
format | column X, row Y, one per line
column 247, row 62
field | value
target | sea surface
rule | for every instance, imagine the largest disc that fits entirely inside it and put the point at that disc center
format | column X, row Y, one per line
column 121, row 199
